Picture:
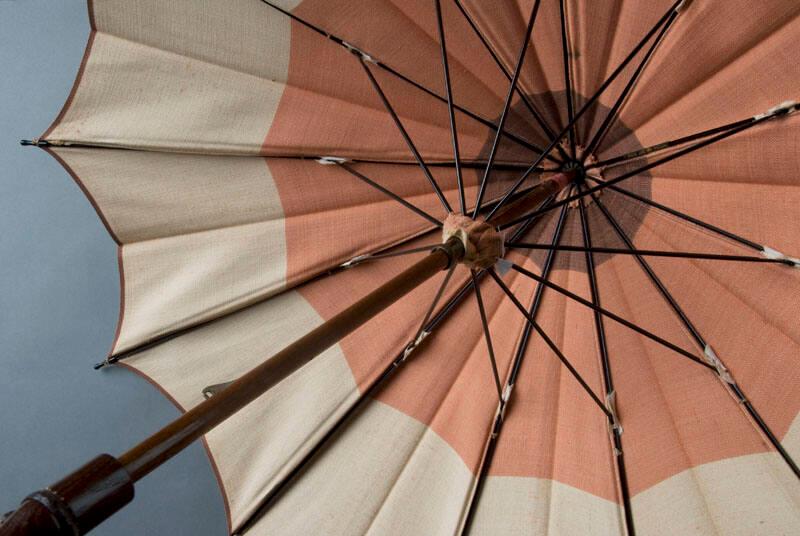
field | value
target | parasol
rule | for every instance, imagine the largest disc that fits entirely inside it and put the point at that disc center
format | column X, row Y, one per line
column 450, row 266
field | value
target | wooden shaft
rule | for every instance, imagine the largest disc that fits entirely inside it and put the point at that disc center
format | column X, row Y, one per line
column 86, row 497
column 176, row 436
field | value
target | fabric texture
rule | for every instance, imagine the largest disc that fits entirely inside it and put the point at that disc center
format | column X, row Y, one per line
column 206, row 134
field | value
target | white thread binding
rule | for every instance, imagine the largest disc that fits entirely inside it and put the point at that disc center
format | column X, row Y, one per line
column 504, row 398
column 611, row 406
column 683, row 5
column 355, row 260
column 413, row 345
column 789, row 106
column 774, row 254
column 354, row 49
column 331, row 160
column 713, row 360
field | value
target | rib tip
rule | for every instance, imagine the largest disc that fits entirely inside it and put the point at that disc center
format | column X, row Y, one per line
column 101, row 364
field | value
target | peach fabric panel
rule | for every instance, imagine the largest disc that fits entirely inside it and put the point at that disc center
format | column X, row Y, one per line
column 385, row 473
column 158, row 76
column 504, row 28
column 553, row 429
column 630, row 23
column 594, row 24
column 291, row 417
column 740, row 496
column 676, row 414
column 519, row 506
column 741, row 66
column 332, row 216
column 746, row 312
column 331, row 97
column 200, row 235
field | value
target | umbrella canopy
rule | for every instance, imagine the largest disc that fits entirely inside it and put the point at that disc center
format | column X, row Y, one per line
column 629, row 365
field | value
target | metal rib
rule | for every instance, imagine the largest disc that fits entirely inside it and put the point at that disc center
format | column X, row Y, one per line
column 701, row 342
column 613, row 316
column 506, row 106
column 406, row 137
column 606, row 364
column 652, row 253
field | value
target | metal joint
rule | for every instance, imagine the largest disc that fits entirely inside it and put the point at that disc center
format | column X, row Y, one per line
column 215, row 389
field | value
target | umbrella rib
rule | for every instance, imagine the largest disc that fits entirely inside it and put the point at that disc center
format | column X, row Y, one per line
column 675, row 7
column 487, row 335
column 365, row 395
column 368, row 394
column 720, row 369
column 556, row 350
column 778, row 111
column 612, row 114
column 607, row 376
column 640, row 153
column 567, row 77
column 523, row 97
column 350, row 48
column 327, row 159
column 418, row 157
column 158, row 340
column 651, row 253
column 512, row 377
column 691, row 219
column 391, row 194
column 360, row 259
column 450, row 112
column 613, row 316
column 421, row 333
column 507, row 105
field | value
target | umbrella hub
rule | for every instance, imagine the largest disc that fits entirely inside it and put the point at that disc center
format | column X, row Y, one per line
column 483, row 244
column 576, row 170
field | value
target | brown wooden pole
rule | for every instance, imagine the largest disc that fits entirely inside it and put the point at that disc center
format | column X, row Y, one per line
column 82, row 500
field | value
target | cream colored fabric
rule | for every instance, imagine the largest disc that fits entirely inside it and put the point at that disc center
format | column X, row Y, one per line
column 258, row 446
column 188, row 75
column 791, row 441
column 751, row 495
column 523, row 506
column 148, row 196
column 386, row 473
column 202, row 235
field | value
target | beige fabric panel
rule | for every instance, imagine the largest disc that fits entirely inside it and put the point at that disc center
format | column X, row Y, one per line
column 190, row 76
column 258, row 446
column 182, row 280
column 744, row 496
column 386, row 473
column 230, row 33
column 524, row 506
column 146, row 196
column 791, row 441
column 200, row 235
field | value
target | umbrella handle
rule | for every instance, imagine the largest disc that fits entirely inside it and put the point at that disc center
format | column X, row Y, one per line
column 74, row 505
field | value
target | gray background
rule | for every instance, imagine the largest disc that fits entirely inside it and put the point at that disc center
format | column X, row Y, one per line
column 59, row 293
